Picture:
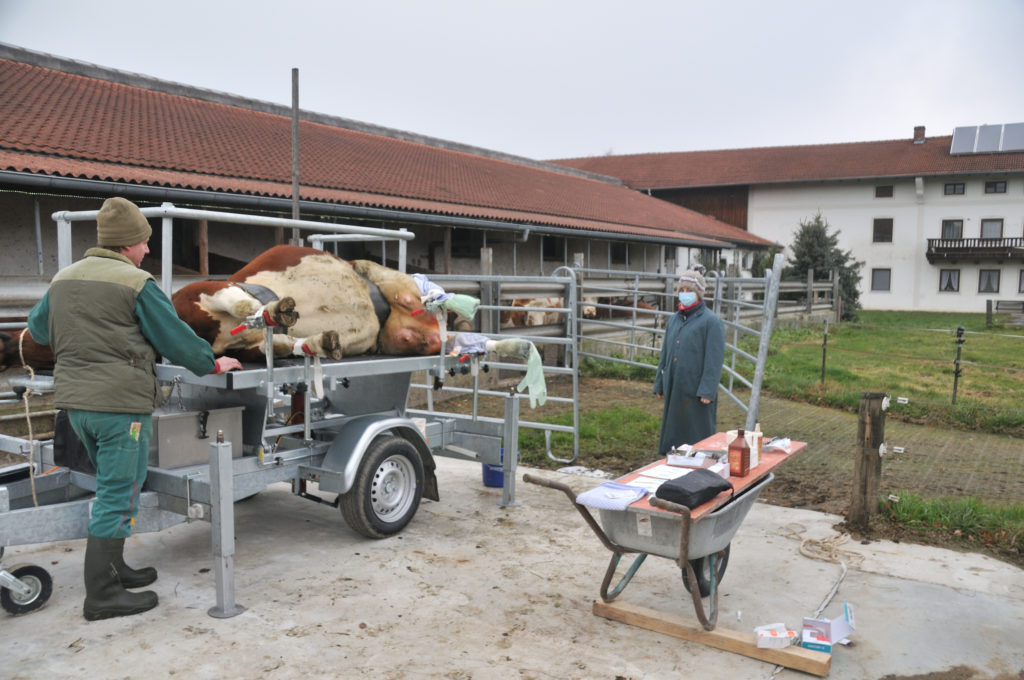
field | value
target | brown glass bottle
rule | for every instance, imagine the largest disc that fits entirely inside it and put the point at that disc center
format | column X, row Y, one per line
column 739, row 456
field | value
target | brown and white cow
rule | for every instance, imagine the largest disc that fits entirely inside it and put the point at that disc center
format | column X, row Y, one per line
column 330, row 307
column 537, row 312
column 327, row 304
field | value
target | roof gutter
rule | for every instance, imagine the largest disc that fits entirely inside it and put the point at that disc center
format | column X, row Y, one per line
column 284, row 205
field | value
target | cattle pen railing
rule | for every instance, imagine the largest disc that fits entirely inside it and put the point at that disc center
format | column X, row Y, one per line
column 632, row 334
column 492, row 291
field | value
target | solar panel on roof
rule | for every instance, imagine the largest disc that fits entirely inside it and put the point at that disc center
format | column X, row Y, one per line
column 1013, row 137
column 963, row 139
column 989, row 137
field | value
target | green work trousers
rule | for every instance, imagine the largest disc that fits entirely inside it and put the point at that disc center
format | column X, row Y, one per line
column 118, row 446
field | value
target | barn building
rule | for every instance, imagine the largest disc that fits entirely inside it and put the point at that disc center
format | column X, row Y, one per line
column 73, row 134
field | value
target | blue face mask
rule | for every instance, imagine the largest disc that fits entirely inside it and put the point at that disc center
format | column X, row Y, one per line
column 687, row 298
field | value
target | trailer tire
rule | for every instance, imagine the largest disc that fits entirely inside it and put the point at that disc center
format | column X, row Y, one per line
column 387, row 489
column 36, row 578
column 702, row 570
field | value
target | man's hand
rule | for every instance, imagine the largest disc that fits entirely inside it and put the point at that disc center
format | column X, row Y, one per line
column 225, row 364
column 705, row 400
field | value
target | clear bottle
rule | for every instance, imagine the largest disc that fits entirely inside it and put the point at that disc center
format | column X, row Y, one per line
column 739, row 456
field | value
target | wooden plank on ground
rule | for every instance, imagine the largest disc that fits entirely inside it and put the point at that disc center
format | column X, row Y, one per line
column 809, row 661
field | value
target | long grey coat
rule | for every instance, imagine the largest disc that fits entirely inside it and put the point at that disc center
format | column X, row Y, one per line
column 690, row 367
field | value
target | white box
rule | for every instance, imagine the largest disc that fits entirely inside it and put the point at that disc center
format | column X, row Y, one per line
column 821, row 634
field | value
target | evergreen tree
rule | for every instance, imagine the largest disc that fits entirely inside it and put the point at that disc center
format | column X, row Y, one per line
column 815, row 248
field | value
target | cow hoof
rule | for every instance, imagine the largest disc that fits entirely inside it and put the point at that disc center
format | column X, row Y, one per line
column 330, row 344
column 283, row 312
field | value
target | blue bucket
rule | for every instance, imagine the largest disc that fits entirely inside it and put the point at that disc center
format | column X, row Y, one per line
column 494, row 475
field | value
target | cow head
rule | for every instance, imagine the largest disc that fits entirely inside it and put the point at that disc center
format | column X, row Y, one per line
column 409, row 329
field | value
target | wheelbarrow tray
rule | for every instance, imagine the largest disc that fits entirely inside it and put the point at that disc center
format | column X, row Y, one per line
column 656, row 532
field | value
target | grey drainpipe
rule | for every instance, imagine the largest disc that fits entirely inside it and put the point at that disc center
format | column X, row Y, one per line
column 284, row 205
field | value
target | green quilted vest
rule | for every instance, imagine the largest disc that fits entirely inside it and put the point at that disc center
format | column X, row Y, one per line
column 103, row 361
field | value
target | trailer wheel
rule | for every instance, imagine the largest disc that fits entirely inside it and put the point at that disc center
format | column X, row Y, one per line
column 36, row 578
column 387, row 489
column 702, row 569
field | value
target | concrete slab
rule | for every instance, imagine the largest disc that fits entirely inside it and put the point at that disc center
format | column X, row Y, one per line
column 473, row 590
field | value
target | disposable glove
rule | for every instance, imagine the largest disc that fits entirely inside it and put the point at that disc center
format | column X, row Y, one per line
column 469, row 343
column 534, row 378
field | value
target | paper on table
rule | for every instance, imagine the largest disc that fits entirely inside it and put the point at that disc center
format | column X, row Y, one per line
column 649, row 483
column 665, row 472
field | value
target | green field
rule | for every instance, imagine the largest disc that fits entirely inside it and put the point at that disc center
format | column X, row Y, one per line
column 907, row 355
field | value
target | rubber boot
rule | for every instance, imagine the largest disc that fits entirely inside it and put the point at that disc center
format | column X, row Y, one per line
column 131, row 578
column 105, row 597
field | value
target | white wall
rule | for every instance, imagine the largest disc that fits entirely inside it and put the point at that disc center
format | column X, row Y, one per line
column 850, row 207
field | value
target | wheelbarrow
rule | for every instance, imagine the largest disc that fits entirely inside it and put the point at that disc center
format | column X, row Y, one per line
column 700, row 547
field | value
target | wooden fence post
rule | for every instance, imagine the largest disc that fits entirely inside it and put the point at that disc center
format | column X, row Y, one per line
column 867, row 470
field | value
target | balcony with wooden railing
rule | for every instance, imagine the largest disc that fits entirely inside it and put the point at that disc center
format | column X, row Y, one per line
column 978, row 249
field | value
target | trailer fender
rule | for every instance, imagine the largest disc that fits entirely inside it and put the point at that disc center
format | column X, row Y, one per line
column 346, row 452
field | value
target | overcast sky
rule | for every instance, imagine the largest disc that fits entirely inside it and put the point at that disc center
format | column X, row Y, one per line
column 558, row 78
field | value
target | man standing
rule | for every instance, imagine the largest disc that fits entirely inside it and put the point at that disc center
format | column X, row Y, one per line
column 106, row 320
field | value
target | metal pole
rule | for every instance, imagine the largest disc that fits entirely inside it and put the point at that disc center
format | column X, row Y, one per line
column 295, row 153
column 222, row 503
column 167, row 254
column 957, row 371
column 824, row 346
column 511, row 446
column 39, row 235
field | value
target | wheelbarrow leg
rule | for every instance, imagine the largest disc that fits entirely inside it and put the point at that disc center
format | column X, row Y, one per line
column 715, row 563
column 612, row 564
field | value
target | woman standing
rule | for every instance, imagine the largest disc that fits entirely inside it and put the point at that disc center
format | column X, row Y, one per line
column 690, row 367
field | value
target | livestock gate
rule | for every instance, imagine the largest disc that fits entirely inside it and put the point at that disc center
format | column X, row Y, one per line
column 633, row 308
column 620, row 316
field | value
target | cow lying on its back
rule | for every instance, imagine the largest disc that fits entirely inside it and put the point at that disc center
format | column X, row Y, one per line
column 326, row 303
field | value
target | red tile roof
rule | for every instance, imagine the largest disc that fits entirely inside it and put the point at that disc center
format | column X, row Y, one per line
column 69, row 125
column 768, row 165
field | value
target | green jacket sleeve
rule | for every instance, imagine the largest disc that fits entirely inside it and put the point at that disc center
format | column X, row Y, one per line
column 169, row 335
column 39, row 320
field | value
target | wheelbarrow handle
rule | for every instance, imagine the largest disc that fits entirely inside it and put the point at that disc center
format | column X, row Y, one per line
column 663, row 504
column 551, row 484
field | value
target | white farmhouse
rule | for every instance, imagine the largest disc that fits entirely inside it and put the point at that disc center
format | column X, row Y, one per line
column 937, row 221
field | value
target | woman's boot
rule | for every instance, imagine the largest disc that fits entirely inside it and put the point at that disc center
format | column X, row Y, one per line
column 105, row 597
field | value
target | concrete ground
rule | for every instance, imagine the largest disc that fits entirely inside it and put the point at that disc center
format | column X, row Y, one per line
column 474, row 590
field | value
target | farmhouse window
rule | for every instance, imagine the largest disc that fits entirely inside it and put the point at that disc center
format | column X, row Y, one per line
column 1020, row 282
column 953, row 189
column 883, row 230
column 988, row 281
column 880, row 279
column 952, row 230
column 949, row 280
column 992, row 228
column 883, row 191
column 995, row 187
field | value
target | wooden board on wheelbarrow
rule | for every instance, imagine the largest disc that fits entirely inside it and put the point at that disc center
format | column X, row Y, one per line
column 809, row 661
column 769, row 461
